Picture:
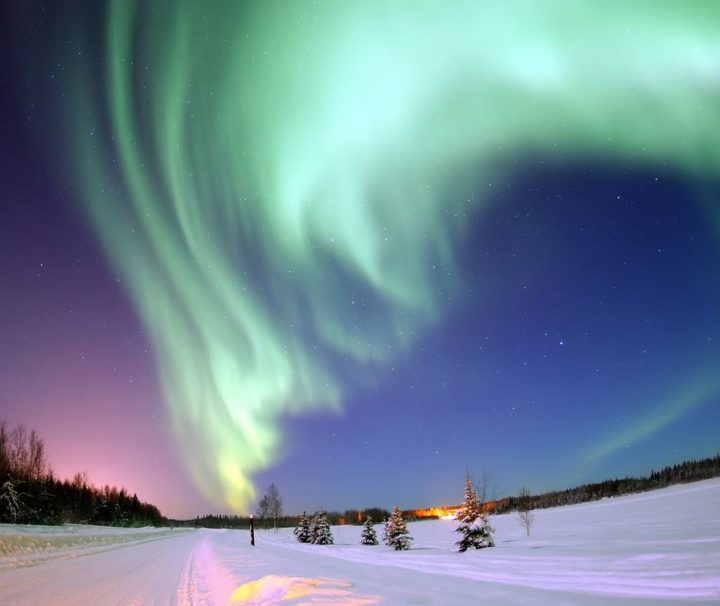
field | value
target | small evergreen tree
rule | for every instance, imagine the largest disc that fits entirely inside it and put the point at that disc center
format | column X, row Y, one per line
column 322, row 532
column 386, row 533
column 475, row 530
column 11, row 506
column 302, row 530
column 312, row 528
column 368, row 534
column 396, row 531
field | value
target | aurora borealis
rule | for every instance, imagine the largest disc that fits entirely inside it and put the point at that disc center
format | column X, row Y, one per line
column 325, row 216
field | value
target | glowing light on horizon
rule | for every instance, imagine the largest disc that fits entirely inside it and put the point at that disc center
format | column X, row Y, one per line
column 282, row 185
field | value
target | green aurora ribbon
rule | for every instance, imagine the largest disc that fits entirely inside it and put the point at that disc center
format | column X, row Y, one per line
column 282, row 184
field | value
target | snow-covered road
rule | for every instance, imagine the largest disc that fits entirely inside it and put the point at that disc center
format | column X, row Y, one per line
column 661, row 547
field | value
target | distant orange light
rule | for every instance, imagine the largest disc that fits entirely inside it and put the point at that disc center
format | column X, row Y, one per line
column 445, row 513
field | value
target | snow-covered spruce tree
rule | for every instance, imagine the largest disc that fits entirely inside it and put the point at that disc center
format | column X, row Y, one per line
column 398, row 536
column 312, row 527
column 302, row 530
column 386, row 532
column 323, row 535
column 474, row 527
column 368, row 534
column 11, row 506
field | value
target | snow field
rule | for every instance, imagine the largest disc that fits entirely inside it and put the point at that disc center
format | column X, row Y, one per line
column 660, row 547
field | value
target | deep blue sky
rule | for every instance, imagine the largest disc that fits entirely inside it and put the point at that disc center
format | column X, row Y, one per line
column 583, row 342
column 590, row 308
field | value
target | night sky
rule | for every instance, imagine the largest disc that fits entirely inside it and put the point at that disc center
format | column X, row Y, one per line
column 356, row 249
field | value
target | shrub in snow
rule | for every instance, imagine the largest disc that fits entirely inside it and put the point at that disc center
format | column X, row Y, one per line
column 474, row 527
column 396, row 534
column 302, row 530
column 525, row 514
column 270, row 507
column 368, row 534
column 322, row 534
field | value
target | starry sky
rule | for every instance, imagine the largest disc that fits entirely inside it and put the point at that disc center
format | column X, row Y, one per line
column 356, row 248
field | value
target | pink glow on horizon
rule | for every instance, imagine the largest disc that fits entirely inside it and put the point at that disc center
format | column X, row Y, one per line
column 102, row 419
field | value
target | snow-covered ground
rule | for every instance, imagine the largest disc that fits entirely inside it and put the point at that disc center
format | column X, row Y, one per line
column 660, row 547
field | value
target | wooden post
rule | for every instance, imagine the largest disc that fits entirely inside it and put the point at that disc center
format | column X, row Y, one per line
column 252, row 530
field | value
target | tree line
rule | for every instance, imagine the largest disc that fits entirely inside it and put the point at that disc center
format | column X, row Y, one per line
column 237, row 522
column 692, row 470
column 353, row 517
column 270, row 515
column 269, row 512
column 30, row 493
